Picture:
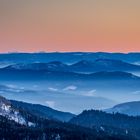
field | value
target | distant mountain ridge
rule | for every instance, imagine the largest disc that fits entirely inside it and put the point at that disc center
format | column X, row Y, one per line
column 24, row 120
column 24, row 74
column 54, row 65
column 108, row 122
column 92, row 118
column 129, row 108
column 16, row 110
column 43, row 111
column 68, row 57
column 104, row 65
column 81, row 66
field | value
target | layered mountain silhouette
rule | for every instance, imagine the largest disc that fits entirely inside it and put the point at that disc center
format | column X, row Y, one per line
column 14, row 110
column 100, row 69
column 29, row 121
column 70, row 57
column 30, row 74
column 69, row 81
column 42, row 111
column 129, row 108
column 113, row 123
column 54, row 66
column 95, row 118
column 81, row 66
column 104, row 65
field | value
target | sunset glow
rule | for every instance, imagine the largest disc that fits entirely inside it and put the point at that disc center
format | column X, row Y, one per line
column 62, row 25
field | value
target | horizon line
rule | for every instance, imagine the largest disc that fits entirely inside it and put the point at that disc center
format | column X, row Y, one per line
column 22, row 52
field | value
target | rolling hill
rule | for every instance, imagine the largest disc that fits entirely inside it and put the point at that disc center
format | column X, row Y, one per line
column 129, row 108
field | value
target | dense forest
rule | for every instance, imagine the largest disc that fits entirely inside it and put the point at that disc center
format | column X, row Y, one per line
column 51, row 130
column 24, row 121
column 112, row 123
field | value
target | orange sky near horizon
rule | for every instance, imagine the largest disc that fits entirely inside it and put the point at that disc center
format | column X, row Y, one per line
column 70, row 25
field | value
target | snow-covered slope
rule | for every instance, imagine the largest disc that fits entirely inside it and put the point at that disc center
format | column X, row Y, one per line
column 11, row 113
column 27, row 114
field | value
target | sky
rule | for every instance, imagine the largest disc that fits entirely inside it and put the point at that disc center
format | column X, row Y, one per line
column 70, row 25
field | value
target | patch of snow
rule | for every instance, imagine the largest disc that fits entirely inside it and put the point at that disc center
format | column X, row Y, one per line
column 30, row 124
column 58, row 137
column 126, row 131
column 7, row 111
column 102, row 128
column 17, row 118
column 6, row 107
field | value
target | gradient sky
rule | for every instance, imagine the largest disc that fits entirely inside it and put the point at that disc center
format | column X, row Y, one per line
column 70, row 25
